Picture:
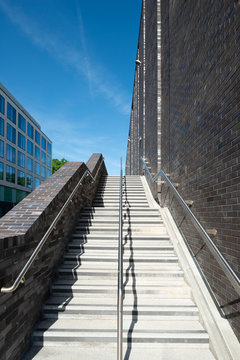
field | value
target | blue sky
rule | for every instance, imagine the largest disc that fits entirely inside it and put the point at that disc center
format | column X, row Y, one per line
column 71, row 63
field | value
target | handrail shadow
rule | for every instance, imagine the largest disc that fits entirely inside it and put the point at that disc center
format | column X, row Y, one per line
column 130, row 271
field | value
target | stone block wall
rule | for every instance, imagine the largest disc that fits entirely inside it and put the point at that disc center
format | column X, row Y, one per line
column 21, row 229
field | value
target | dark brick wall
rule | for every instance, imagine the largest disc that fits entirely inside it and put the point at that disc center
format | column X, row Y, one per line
column 201, row 113
column 200, row 124
column 151, row 84
column 20, row 232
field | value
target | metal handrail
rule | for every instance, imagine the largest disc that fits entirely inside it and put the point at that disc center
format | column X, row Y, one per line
column 120, row 278
column 228, row 271
column 20, row 278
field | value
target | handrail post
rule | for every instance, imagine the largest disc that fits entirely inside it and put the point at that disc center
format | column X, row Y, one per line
column 120, row 278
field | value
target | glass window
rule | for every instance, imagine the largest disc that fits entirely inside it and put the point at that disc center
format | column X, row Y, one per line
column 11, row 113
column 11, row 133
column 49, row 148
column 37, row 152
column 37, row 182
column 21, row 141
column 1, row 148
column 1, row 171
column 1, row 126
column 11, row 153
column 44, row 143
column 29, row 147
column 43, row 157
column 2, row 104
column 21, row 123
column 37, row 168
column 21, row 159
column 21, row 178
column 29, row 164
column 30, row 130
column 48, row 161
column 49, row 173
column 37, row 137
column 29, row 181
column 43, row 171
column 10, row 174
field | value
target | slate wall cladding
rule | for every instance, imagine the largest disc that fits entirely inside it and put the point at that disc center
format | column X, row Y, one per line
column 201, row 112
column 20, row 231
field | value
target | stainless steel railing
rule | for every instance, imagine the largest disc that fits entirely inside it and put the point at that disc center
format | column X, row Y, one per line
column 120, row 278
column 20, row 278
column 228, row 271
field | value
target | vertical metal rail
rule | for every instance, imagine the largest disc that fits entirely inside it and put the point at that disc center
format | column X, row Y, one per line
column 120, row 278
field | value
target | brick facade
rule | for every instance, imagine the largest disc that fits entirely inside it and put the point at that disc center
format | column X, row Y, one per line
column 200, row 127
column 20, row 231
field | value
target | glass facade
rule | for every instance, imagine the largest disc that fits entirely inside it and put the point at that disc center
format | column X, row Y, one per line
column 2, row 104
column 11, row 113
column 37, row 137
column 49, row 173
column 49, row 148
column 1, row 170
column 29, row 181
column 10, row 174
column 43, row 157
column 29, row 147
column 37, row 183
column 21, row 123
column 37, row 153
column 29, row 164
column 21, row 141
column 21, row 159
column 30, row 130
column 21, row 178
column 1, row 126
column 37, row 168
column 44, row 143
column 11, row 153
column 43, row 171
column 25, row 151
column 48, row 161
column 11, row 133
column 1, row 148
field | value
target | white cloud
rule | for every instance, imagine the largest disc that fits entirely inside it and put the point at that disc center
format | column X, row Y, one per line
column 94, row 73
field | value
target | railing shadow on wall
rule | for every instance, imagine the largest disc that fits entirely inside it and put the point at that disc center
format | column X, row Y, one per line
column 21, row 230
column 185, row 205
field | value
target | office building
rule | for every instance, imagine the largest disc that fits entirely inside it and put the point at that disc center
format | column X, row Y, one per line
column 25, row 152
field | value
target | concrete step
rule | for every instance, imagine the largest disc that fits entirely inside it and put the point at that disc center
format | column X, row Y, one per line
column 109, row 237
column 114, row 221
column 52, row 337
column 178, row 289
column 68, row 273
column 114, row 209
column 129, row 300
column 95, row 258
column 105, row 246
column 132, row 352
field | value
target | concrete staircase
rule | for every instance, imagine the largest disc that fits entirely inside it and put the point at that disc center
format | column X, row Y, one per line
column 160, row 319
